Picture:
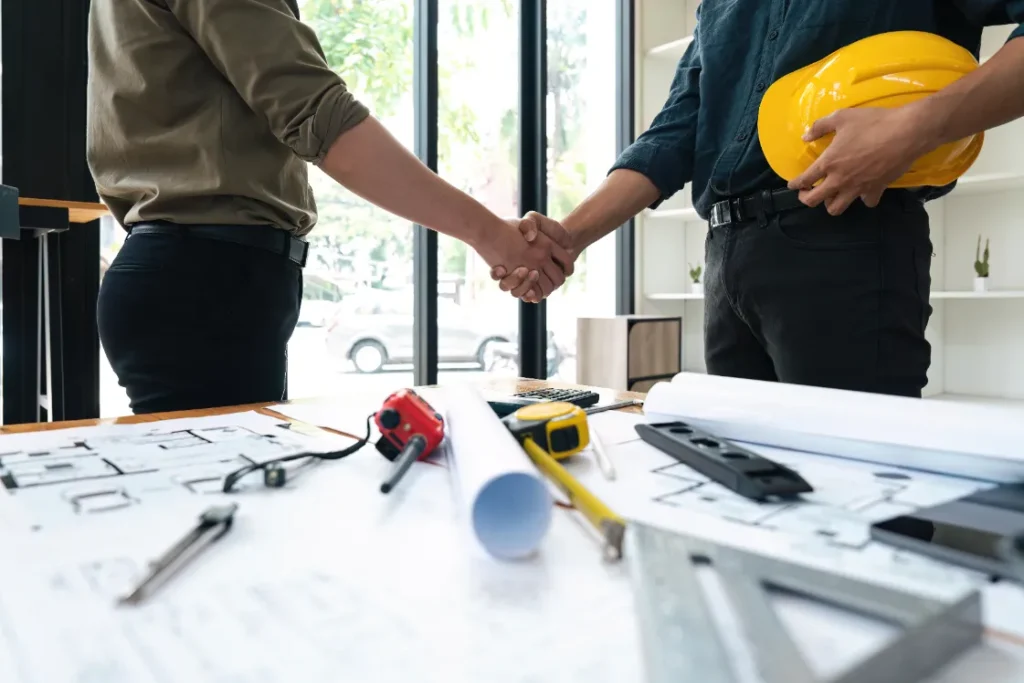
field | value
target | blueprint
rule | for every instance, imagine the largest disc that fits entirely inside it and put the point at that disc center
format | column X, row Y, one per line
column 845, row 500
column 60, row 476
column 339, row 582
column 829, row 526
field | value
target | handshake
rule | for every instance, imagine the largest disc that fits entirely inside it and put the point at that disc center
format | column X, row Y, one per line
column 531, row 257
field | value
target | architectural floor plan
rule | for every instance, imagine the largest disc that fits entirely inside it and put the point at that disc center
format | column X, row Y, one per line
column 830, row 525
column 847, row 497
column 80, row 472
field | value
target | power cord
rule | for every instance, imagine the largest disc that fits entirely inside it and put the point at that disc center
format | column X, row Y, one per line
column 275, row 475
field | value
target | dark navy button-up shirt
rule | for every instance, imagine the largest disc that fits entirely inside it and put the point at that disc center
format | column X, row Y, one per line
column 707, row 131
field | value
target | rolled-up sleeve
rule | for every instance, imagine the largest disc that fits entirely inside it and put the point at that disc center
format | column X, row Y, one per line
column 276, row 64
column 995, row 13
column 665, row 151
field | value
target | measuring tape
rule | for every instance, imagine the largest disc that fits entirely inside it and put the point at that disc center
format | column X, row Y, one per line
column 560, row 429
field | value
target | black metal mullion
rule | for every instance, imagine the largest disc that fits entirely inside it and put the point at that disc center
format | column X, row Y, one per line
column 625, row 236
column 425, row 91
column 533, row 175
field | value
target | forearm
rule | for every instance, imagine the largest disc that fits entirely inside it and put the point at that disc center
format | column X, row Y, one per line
column 371, row 163
column 621, row 196
column 988, row 97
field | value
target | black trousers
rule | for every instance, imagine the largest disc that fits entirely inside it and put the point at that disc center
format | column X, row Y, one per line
column 808, row 298
column 189, row 322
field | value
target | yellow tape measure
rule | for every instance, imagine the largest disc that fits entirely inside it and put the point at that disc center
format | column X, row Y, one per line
column 550, row 432
column 558, row 428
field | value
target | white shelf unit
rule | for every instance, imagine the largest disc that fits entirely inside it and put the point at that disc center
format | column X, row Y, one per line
column 977, row 338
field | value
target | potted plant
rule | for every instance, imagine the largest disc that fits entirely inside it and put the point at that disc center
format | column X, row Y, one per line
column 981, row 267
column 696, row 287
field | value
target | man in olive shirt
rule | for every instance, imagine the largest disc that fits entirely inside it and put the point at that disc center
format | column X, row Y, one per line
column 203, row 115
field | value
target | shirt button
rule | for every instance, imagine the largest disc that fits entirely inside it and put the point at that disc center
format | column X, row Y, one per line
column 760, row 87
column 773, row 35
column 741, row 137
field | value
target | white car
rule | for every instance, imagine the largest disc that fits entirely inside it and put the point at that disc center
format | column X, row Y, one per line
column 375, row 328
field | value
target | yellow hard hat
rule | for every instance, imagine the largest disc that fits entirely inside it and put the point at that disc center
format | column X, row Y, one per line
column 885, row 70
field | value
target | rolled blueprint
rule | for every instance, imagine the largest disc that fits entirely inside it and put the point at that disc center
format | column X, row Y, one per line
column 503, row 496
column 946, row 437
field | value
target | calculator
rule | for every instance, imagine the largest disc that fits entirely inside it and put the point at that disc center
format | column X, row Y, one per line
column 579, row 397
column 508, row 405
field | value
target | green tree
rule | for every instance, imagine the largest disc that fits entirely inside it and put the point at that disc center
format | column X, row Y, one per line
column 369, row 43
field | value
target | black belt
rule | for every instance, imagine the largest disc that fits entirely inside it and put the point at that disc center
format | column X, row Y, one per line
column 754, row 207
column 264, row 237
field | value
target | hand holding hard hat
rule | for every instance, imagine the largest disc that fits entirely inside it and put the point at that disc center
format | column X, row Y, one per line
column 840, row 124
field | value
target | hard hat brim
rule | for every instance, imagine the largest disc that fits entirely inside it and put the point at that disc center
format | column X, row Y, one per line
column 779, row 131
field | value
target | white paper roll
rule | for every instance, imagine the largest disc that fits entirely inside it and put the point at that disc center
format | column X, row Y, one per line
column 946, row 437
column 503, row 496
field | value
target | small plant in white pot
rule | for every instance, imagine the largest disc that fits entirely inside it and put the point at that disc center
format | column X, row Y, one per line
column 981, row 267
column 696, row 287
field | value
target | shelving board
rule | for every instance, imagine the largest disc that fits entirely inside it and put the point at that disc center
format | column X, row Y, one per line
column 989, row 182
column 1004, row 294
column 686, row 214
column 672, row 51
column 979, row 400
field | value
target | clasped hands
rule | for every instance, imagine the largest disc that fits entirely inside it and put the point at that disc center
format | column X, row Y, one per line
column 532, row 258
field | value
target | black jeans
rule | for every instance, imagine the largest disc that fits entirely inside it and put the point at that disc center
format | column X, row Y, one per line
column 189, row 322
column 807, row 298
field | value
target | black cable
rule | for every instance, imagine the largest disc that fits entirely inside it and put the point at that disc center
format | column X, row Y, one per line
column 274, row 474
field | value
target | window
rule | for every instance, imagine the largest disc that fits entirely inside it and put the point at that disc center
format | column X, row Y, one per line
column 581, row 124
column 355, row 331
column 113, row 399
column 478, row 137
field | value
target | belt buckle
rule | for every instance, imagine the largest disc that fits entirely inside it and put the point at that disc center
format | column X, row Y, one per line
column 720, row 214
column 736, row 210
column 300, row 246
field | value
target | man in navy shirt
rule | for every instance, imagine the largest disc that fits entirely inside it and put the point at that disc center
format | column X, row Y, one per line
column 826, row 286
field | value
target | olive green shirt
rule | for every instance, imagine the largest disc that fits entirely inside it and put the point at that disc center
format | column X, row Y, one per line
column 207, row 111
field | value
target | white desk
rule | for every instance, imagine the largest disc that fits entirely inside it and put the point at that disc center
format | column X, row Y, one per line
column 339, row 583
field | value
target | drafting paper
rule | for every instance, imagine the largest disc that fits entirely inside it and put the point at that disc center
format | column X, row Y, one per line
column 615, row 426
column 948, row 437
column 69, row 475
column 369, row 590
column 334, row 581
column 828, row 528
column 344, row 413
column 504, row 497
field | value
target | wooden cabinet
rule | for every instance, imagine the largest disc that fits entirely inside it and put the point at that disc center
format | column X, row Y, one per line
column 629, row 352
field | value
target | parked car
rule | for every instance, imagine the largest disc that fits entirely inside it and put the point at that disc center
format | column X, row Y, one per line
column 320, row 298
column 375, row 328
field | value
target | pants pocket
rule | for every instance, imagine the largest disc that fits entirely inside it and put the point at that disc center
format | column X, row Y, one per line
column 146, row 254
column 814, row 229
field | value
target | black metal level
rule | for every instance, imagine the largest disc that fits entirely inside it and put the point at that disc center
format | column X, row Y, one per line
column 44, row 127
column 625, row 237
column 533, row 175
column 425, row 93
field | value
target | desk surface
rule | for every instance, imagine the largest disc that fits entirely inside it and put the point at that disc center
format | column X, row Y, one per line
column 565, row 554
column 78, row 212
column 508, row 385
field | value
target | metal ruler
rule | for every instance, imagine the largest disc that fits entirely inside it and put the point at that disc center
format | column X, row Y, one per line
column 683, row 641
